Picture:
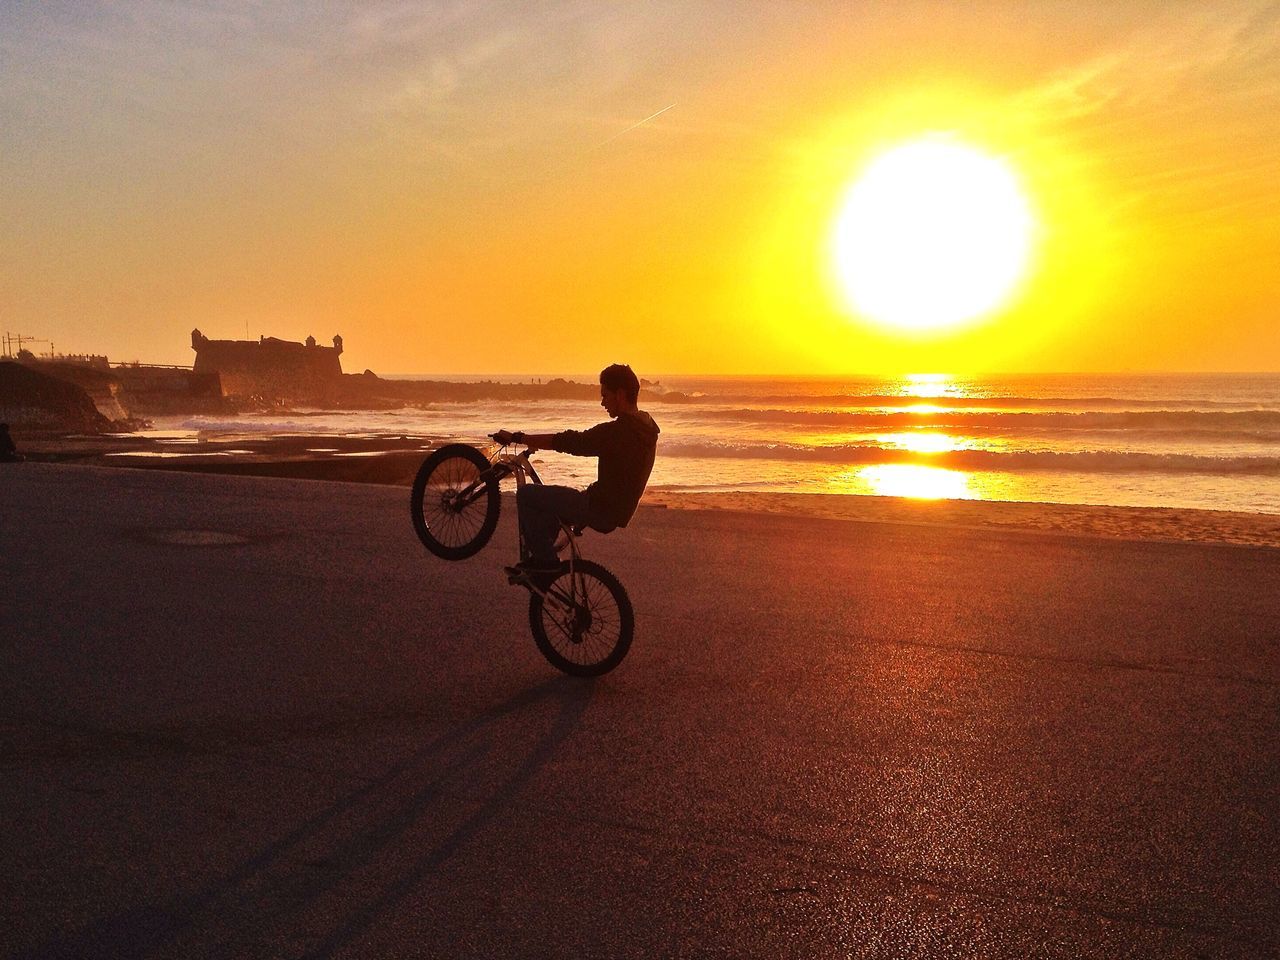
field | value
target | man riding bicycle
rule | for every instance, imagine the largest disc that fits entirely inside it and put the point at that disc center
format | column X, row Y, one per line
column 625, row 444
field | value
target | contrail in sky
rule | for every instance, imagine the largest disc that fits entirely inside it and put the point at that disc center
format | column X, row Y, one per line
column 634, row 125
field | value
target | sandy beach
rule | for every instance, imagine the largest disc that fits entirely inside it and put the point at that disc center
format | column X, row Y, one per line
column 395, row 460
column 1124, row 523
column 249, row 716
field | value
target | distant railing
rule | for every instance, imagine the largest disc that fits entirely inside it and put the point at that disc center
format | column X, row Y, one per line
column 137, row 365
column 90, row 359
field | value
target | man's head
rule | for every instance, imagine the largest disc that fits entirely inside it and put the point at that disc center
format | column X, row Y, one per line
column 619, row 389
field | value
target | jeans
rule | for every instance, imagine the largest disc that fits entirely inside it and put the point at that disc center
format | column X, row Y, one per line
column 543, row 508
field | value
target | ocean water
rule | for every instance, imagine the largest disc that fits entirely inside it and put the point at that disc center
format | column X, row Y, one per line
column 1207, row 441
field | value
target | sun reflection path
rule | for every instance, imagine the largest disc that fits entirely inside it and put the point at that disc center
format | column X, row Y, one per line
column 917, row 481
column 921, row 442
column 929, row 385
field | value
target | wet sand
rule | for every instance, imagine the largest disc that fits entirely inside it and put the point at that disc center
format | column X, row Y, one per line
column 1123, row 523
column 395, row 460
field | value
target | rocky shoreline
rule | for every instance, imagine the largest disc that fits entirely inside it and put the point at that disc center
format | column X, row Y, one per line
column 33, row 402
column 43, row 399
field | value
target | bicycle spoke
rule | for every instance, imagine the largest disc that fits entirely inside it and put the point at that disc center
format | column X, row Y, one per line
column 450, row 526
column 586, row 597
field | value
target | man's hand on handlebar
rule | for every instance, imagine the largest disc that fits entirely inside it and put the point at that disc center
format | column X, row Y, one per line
column 534, row 441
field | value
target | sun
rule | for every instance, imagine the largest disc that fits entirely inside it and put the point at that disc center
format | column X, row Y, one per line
column 934, row 233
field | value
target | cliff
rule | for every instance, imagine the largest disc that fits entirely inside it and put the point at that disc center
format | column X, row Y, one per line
column 32, row 401
column 129, row 391
column 103, row 388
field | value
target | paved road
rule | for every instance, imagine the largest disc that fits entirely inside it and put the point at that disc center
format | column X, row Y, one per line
column 248, row 717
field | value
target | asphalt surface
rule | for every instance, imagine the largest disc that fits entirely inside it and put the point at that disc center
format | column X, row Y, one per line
column 248, row 717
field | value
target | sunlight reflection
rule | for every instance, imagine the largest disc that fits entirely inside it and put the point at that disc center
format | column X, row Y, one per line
column 920, row 442
column 918, row 482
column 927, row 385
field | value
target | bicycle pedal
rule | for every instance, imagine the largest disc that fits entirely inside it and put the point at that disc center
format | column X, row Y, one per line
column 518, row 578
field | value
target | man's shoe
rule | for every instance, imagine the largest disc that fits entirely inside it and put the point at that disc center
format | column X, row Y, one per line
column 530, row 573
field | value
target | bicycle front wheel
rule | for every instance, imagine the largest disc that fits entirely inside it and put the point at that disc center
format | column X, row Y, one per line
column 585, row 623
column 455, row 502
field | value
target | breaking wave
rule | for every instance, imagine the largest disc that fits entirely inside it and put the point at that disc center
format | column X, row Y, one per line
column 1012, row 421
column 898, row 400
column 323, row 423
column 1099, row 461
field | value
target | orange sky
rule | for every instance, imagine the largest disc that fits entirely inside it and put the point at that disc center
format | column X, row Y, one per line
column 454, row 187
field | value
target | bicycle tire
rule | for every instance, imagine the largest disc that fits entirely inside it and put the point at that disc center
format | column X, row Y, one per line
column 584, row 648
column 449, row 532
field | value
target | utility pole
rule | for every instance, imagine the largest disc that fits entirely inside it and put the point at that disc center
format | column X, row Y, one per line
column 10, row 339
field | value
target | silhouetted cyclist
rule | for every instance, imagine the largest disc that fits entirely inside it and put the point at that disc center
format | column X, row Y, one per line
column 625, row 445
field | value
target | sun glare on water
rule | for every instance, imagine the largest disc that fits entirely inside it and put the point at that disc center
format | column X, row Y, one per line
column 916, row 482
column 933, row 233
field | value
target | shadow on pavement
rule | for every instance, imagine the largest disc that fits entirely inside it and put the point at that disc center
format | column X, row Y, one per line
column 278, row 880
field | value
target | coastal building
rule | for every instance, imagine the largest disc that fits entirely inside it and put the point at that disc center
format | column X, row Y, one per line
column 271, row 369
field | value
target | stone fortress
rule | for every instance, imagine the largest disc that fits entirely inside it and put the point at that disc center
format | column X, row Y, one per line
column 271, row 369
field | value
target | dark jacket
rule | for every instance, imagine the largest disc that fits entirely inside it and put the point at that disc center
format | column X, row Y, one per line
column 625, row 446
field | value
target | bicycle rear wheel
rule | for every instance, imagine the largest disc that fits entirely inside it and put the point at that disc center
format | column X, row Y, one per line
column 585, row 624
column 454, row 504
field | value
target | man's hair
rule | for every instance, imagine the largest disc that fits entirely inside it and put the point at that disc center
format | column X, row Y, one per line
column 619, row 376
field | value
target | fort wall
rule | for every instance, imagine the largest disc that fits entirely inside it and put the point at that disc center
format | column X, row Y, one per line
column 271, row 369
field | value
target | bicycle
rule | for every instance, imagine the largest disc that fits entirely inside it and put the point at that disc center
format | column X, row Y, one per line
column 581, row 619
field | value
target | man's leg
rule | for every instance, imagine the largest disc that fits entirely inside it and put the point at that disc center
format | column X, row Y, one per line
column 543, row 508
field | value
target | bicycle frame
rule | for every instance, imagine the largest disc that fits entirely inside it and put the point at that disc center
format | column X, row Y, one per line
column 504, row 465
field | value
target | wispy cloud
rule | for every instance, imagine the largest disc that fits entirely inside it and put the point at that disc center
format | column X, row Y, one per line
column 1158, row 105
column 1176, row 62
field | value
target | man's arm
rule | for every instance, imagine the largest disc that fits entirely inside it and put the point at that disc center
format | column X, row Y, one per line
column 538, row 441
column 534, row 441
column 579, row 443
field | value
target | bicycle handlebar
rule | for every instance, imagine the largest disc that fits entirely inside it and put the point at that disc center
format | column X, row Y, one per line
column 528, row 450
